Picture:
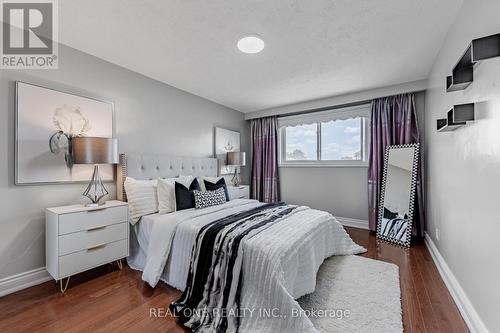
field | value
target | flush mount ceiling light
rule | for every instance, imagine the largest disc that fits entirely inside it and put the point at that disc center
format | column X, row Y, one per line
column 251, row 44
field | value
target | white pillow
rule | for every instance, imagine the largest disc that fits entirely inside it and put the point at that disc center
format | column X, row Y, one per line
column 166, row 192
column 142, row 198
column 208, row 179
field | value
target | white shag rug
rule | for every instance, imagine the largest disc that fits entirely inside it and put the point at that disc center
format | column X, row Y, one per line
column 359, row 295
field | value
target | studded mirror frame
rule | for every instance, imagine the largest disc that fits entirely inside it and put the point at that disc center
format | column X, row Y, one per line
column 407, row 242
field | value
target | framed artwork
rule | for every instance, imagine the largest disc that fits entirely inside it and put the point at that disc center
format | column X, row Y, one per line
column 46, row 122
column 225, row 141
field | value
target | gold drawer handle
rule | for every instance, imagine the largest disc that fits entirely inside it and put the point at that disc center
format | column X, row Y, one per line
column 97, row 247
column 95, row 209
column 96, row 228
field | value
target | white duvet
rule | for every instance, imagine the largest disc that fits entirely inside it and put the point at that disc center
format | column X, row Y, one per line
column 279, row 264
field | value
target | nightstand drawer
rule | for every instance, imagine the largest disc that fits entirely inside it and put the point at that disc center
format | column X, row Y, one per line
column 83, row 240
column 98, row 255
column 244, row 192
column 233, row 192
column 238, row 192
column 85, row 220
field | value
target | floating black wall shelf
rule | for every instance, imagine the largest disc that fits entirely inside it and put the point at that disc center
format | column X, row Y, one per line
column 479, row 49
column 458, row 116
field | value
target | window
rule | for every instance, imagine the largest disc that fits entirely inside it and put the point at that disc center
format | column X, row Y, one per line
column 301, row 142
column 327, row 138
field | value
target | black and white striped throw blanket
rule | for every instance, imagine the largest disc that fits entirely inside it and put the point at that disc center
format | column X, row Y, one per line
column 211, row 300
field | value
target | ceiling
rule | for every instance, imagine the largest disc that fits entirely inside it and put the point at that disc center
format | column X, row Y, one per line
column 314, row 49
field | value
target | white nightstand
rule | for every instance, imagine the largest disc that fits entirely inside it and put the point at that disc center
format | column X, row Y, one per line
column 239, row 192
column 78, row 238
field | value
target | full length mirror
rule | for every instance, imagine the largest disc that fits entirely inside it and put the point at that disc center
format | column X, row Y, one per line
column 398, row 193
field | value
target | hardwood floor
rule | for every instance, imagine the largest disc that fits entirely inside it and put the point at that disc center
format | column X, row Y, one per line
column 108, row 300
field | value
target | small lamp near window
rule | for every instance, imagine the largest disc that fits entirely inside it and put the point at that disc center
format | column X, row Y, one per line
column 90, row 150
column 236, row 159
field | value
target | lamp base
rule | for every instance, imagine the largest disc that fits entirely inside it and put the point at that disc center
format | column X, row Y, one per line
column 95, row 191
column 236, row 177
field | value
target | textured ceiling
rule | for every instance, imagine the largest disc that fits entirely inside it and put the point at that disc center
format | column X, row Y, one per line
column 314, row 49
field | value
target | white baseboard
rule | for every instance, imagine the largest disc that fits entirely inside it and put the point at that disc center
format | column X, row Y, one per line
column 471, row 317
column 24, row 280
column 355, row 223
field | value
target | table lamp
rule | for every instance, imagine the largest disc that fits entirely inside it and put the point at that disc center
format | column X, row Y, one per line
column 92, row 150
column 236, row 159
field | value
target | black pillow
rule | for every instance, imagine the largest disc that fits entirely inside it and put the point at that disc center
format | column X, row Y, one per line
column 221, row 183
column 184, row 197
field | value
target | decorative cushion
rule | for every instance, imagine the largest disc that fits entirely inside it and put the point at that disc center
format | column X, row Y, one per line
column 184, row 197
column 221, row 183
column 142, row 198
column 166, row 192
column 209, row 198
column 213, row 180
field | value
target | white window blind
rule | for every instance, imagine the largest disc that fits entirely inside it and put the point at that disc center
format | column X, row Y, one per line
column 360, row 111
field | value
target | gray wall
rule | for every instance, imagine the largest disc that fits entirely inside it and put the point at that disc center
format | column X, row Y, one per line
column 149, row 117
column 342, row 191
column 463, row 167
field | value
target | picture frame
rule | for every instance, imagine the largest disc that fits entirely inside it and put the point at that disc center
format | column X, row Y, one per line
column 226, row 140
column 45, row 121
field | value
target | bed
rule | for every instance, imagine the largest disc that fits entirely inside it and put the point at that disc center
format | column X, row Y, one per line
column 273, row 266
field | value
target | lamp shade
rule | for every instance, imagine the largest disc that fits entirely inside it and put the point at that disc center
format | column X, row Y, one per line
column 236, row 158
column 89, row 150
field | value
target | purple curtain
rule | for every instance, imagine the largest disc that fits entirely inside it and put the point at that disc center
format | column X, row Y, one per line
column 393, row 122
column 264, row 185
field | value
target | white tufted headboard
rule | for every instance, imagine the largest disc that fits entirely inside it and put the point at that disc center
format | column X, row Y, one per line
column 152, row 166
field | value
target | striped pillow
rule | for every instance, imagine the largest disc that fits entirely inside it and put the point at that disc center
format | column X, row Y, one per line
column 209, row 198
column 142, row 198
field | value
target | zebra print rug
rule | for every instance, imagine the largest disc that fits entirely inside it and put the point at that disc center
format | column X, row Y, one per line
column 355, row 294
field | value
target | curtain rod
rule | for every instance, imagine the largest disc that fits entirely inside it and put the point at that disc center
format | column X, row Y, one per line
column 336, row 106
